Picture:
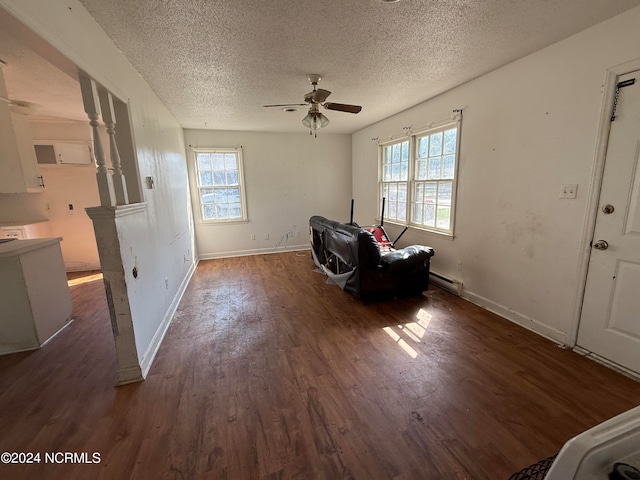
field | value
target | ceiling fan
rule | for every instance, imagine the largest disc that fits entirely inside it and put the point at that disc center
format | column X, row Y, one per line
column 316, row 98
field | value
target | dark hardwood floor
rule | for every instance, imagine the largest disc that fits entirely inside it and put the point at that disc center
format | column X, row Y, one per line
column 268, row 373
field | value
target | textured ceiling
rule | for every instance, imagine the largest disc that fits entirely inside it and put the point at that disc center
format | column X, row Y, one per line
column 214, row 63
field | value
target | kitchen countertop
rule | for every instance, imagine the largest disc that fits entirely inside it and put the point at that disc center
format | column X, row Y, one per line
column 18, row 247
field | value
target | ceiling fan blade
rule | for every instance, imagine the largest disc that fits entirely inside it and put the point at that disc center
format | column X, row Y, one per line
column 288, row 105
column 342, row 107
column 320, row 95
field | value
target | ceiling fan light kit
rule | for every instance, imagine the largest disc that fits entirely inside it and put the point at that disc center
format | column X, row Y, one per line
column 314, row 120
column 316, row 98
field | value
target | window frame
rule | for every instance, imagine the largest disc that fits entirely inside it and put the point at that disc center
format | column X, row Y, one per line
column 412, row 137
column 382, row 182
column 241, row 184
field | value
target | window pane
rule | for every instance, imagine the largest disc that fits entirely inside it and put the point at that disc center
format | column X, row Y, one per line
column 430, row 191
column 405, row 151
column 209, row 211
column 444, row 193
column 206, row 195
column 235, row 210
column 404, row 171
column 395, row 171
column 219, row 178
column 419, row 193
column 423, row 147
column 435, row 147
column 434, row 168
column 444, row 217
column 421, row 171
column 218, row 161
column 402, row 192
column 222, row 210
column 387, row 173
column 429, row 215
column 385, row 191
column 402, row 211
column 450, row 140
column 448, row 164
column 220, row 195
column 204, row 161
column 416, row 213
column 232, row 178
column 230, row 161
column 393, row 192
column 206, row 178
column 387, row 154
column 392, row 210
column 234, row 195
column 395, row 153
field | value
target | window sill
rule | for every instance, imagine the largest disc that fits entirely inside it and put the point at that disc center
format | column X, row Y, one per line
column 445, row 236
column 223, row 222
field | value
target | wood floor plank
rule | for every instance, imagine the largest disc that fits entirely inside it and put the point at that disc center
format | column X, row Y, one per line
column 269, row 373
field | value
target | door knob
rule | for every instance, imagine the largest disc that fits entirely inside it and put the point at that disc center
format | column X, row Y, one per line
column 608, row 209
column 601, row 245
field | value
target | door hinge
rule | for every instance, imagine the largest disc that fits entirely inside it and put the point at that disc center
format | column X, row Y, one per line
column 620, row 85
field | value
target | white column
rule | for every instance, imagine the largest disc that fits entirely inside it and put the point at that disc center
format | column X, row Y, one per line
column 109, row 118
column 92, row 107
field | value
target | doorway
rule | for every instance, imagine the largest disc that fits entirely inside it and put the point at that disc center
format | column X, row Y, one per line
column 610, row 320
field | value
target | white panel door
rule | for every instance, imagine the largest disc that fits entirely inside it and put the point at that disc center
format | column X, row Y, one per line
column 610, row 321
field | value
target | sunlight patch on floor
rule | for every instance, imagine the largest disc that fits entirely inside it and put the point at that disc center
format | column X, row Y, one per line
column 413, row 330
column 85, row 279
column 404, row 345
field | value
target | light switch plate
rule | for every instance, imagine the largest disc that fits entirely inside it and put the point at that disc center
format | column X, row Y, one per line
column 568, row 191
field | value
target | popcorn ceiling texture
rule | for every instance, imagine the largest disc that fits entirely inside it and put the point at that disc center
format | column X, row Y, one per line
column 215, row 63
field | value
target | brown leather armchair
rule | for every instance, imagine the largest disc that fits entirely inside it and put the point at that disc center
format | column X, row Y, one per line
column 351, row 258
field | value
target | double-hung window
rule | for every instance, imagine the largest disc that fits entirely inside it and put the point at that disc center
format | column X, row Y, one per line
column 220, row 184
column 418, row 178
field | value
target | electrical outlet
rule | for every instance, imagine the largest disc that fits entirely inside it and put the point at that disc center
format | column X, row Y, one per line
column 252, row 236
column 568, row 191
column 459, row 266
column 266, row 236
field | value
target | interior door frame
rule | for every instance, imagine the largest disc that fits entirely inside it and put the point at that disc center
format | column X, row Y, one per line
column 597, row 174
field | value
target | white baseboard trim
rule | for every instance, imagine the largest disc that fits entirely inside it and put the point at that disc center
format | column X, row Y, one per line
column 535, row 326
column 154, row 346
column 607, row 363
column 257, row 251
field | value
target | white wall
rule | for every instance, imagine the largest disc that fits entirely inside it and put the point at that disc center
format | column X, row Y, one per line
column 159, row 241
column 527, row 128
column 289, row 177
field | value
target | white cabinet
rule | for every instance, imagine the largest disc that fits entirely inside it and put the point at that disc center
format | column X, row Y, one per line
column 35, row 302
column 63, row 153
column 18, row 165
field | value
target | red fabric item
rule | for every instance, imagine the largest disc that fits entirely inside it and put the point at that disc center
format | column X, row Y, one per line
column 381, row 237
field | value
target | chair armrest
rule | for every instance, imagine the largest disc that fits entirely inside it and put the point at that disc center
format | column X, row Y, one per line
column 408, row 258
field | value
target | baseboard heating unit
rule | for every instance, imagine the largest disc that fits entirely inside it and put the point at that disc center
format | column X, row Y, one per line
column 450, row 284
